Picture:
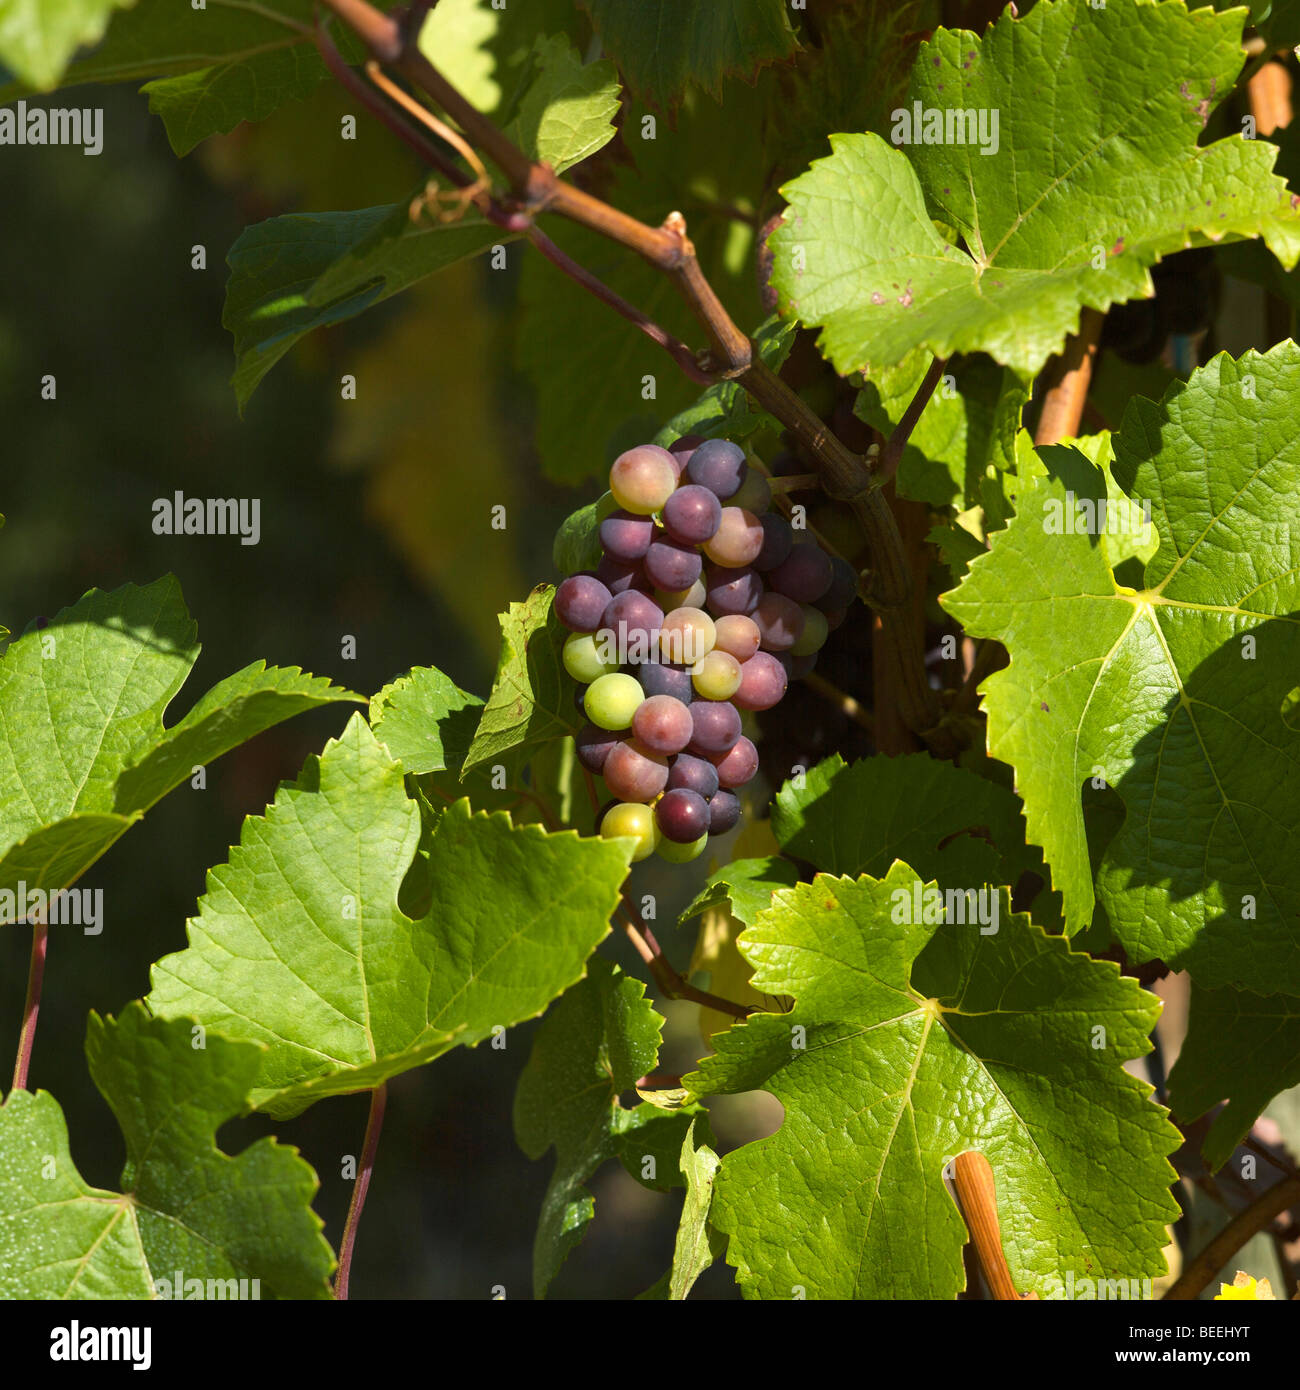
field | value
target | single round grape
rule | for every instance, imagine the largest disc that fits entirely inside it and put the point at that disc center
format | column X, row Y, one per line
column 738, row 540
column 636, row 822
column 780, row 622
column 730, row 591
column 682, row 449
column 643, row 479
column 739, row 765
column 693, row 774
column 804, row 575
column 800, row 666
column 682, row 816
column 763, row 682
column 672, row 565
column 612, row 700
column 580, row 602
column 663, row 678
column 737, row 635
column 592, row 745
column 718, row 465
column 685, row 635
column 680, row 854
column 724, row 812
column 586, row 658
column 815, row 632
column 843, row 588
column 633, row 618
column 694, row 597
column 692, row 514
column 633, row 773
column 619, row 578
column 625, row 537
column 663, row 725
column 754, row 493
column 716, row 676
column 778, row 542
column 716, row 726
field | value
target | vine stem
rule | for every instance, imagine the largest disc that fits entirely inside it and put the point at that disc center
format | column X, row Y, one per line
column 973, row 1179
column 32, row 1005
column 845, row 476
column 665, row 976
column 897, row 442
column 374, row 1123
column 1233, row 1236
column 1068, row 378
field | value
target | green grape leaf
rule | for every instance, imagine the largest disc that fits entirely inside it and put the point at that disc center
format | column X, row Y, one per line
column 425, row 720
column 858, row 818
column 567, row 111
column 1241, row 1048
column 697, row 1244
column 577, row 541
column 84, row 753
column 186, row 1210
column 1172, row 693
column 300, row 944
column 600, row 1038
column 455, row 37
column 968, row 426
column 911, row 1043
column 532, row 695
column 744, row 887
column 699, row 42
column 37, row 37
column 213, row 101
column 1084, row 183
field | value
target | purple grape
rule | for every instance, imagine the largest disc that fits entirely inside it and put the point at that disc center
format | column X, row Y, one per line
column 625, row 537
column 663, row 725
column 780, row 620
column 763, row 680
column 804, row 575
column 718, row 465
column 662, row 678
column 580, row 602
column 683, row 816
column 633, row 617
column 692, row 514
column 843, row 589
column 633, row 773
column 724, row 812
column 593, row 745
column 693, row 774
column 731, row 591
column 739, row 765
column 716, row 725
column 619, row 578
column 683, row 448
column 778, row 542
column 672, row 565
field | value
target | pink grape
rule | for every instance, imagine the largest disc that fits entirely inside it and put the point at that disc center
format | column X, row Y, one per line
column 780, row 622
column 739, row 765
column 672, row 565
column 643, row 479
column 633, row 773
column 763, row 682
column 663, row 725
column 738, row 541
column 625, row 537
column 737, row 635
column 685, row 635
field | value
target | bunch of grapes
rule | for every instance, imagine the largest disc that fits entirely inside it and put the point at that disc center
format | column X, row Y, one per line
column 705, row 603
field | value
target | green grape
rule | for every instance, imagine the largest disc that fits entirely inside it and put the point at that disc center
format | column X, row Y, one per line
column 635, row 822
column 754, row 495
column 815, row 631
column 717, row 675
column 584, row 657
column 612, row 700
column 680, row 854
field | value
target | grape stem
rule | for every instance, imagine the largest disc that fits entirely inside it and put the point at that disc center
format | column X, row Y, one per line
column 1067, row 379
column 846, row 704
column 535, row 188
column 897, row 441
column 32, row 1006
column 666, row 977
column 374, row 1123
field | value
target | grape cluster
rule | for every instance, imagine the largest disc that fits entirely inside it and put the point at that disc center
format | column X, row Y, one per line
column 704, row 603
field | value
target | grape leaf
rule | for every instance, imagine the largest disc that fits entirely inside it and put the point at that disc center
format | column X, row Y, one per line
column 697, row 1244
column 1097, row 174
column 85, row 754
column 532, row 695
column 37, row 38
column 577, row 541
column 698, row 42
column 744, row 887
column 911, row 1043
column 425, row 720
column 858, row 818
column 567, row 111
column 1240, row 1048
column 299, row 941
column 185, row 1206
column 1172, row 693
column 595, row 1043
